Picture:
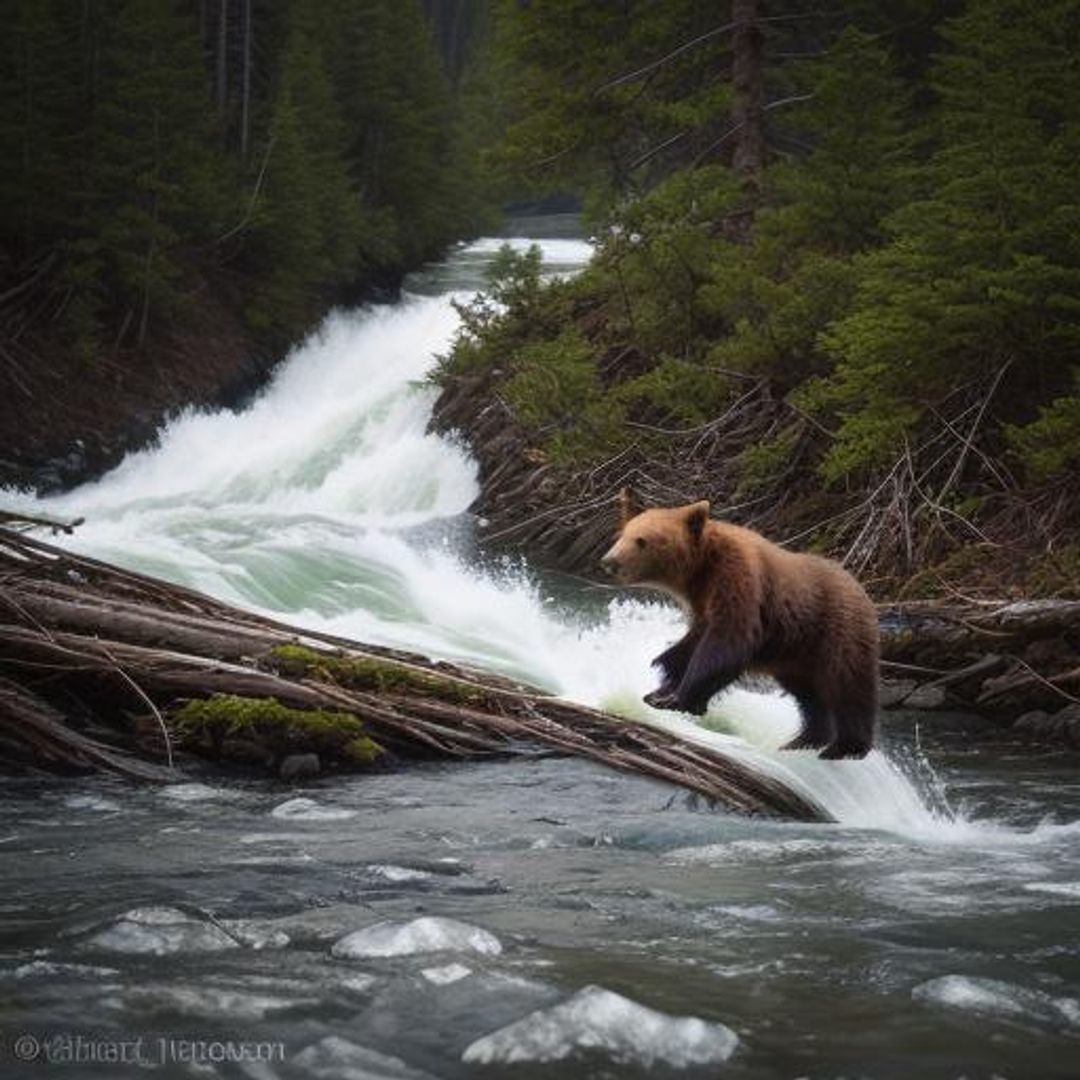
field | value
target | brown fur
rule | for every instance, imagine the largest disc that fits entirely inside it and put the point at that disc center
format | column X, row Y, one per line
column 753, row 606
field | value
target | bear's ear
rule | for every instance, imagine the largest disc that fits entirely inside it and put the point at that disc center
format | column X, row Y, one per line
column 628, row 506
column 696, row 516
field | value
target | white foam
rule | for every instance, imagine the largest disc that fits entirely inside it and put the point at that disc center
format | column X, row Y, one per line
column 91, row 802
column 447, row 974
column 360, row 983
column 562, row 252
column 194, row 792
column 600, row 1021
column 424, row 935
column 297, row 507
column 1070, row 889
column 310, row 810
column 997, row 1000
column 398, row 873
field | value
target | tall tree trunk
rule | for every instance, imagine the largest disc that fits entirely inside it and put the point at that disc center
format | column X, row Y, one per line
column 245, row 100
column 748, row 86
column 221, row 87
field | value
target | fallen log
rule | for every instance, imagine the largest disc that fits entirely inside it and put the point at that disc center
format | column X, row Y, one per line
column 1000, row 658
column 106, row 668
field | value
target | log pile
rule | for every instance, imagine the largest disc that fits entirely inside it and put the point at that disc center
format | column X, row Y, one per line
column 109, row 669
column 1005, row 660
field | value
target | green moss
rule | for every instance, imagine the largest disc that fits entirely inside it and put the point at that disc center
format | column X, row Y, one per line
column 265, row 721
column 369, row 673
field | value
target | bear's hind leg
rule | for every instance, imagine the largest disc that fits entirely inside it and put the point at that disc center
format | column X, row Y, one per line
column 855, row 720
column 817, row 729
column 845, row 748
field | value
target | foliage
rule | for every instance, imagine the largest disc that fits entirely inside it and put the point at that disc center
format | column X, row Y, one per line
column 983, row 270
column 281, row 729
column 368, row 673
column 905, row 291
column 569, row 116
column 154, row 148
column 1050, row 444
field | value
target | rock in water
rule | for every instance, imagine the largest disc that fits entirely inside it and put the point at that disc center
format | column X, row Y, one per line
column 334, row 1058
column 598, row 1020
column 310, row 810
column 161, row 931
column 428, row 934
column 997, row 1000
column 299, row 767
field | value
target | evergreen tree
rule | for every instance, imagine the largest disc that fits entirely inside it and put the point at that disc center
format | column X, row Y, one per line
column 155, row 181
column 42, row 122
column 308, row 226
column 984, row 271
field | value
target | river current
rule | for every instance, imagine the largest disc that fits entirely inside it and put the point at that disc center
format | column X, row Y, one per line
column 530, row 918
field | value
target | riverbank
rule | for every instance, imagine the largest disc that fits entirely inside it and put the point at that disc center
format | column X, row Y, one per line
column 989, row 628
column 67, row 421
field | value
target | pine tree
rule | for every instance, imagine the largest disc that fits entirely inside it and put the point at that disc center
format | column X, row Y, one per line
column 155, row 181
column 795, row 275
column 309, row 225
column 42, row 122
column 984, row 271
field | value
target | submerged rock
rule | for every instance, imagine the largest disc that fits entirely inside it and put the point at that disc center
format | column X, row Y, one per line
column 310, row 810
column 161, row 931
column 447, row 974
column 600, row 1021
column 998, row 1000
column 334, row 1058
column 424, row 935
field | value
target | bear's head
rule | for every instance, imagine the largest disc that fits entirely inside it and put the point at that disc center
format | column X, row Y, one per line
column 657, row 547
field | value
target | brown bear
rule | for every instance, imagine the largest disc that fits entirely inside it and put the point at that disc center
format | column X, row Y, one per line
column 753, row 606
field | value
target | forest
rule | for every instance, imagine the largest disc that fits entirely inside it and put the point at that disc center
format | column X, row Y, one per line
column 187, row 187
column 837, row 282
column 837, row 274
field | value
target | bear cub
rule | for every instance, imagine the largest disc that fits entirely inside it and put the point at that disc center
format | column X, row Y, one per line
column 755, row 607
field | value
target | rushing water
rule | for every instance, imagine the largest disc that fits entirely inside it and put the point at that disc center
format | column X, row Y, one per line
column 604, row 925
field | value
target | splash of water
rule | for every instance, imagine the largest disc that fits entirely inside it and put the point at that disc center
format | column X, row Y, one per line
column 306, row 505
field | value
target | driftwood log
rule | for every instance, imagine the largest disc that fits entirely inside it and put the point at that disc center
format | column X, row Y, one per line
column 998, row 658
column 105, row 668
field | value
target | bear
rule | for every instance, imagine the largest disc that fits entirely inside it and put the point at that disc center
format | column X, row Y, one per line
column 753, row 606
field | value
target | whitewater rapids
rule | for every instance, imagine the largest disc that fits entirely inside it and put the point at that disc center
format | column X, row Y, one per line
column 327, row 502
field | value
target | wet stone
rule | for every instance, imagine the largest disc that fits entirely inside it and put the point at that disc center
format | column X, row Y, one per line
column 299, row 767
column 424, row 935
column 335, row 1058
column 598, row 1021
column 161, row 931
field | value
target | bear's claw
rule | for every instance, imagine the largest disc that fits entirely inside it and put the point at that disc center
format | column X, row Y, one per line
column 661, row 699
column 803, row 741
column 837, row 750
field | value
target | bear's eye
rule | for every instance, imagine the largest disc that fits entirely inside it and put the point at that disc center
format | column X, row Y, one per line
column 641, row 541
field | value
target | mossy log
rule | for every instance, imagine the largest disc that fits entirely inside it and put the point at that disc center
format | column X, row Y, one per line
column 106, row 668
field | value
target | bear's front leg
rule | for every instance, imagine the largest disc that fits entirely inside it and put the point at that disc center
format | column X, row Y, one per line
column 672, row 663
column 715, row 664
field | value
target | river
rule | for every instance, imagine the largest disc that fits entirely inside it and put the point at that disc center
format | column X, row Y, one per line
column 530, row 918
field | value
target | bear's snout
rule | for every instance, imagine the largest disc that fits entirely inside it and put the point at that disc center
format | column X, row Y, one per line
column 610, row 565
